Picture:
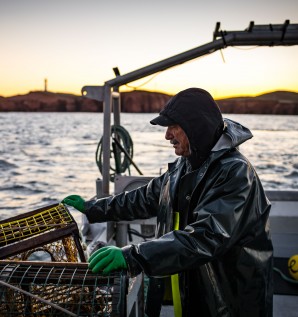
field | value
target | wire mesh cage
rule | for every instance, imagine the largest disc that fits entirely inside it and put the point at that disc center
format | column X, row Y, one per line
column 60, row 289
column 49, row 231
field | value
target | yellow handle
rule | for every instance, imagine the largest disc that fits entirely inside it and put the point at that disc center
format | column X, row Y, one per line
column 175, row 280
column 176, row 220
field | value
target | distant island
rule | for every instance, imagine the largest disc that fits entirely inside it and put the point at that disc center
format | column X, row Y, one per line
column 277, row 102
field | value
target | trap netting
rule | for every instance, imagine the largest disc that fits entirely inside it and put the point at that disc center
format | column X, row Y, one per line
column 59, row 289
column 50, row 231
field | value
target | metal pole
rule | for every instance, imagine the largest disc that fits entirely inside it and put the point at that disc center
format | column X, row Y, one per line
column 166, row 63
column 259, row 35
column 121, row 229
column 127, row 155
column 106, row 141
column 116, row 105
column 121, row 235
column 37, row 298
column 116, row 111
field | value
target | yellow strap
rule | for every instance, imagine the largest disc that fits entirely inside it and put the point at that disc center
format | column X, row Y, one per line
column 175, row 280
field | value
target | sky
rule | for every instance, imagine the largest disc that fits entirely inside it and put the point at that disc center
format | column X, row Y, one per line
column 73, row 43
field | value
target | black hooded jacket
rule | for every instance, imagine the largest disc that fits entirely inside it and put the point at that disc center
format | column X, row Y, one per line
column 222, row 250
column 196, row 112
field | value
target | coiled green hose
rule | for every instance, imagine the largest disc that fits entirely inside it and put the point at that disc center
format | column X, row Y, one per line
column 121, row 161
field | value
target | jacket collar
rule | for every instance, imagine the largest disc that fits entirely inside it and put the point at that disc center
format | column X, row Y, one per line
column 234, row 134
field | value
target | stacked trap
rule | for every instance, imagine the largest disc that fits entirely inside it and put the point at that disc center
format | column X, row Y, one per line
column 59, row 289
column 49, row 232
column 42, row 271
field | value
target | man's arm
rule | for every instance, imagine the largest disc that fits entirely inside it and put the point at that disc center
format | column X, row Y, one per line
column 223, row 217
column 140, row 203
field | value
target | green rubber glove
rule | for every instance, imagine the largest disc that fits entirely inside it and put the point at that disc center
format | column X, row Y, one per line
column 107, row 259
column 75, row 201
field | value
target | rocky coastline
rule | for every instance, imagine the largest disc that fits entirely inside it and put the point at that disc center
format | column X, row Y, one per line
column 278, row 102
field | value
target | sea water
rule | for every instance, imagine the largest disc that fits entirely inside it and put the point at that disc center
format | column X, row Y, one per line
column 47, row 156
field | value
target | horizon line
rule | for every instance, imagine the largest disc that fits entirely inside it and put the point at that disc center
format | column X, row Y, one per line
column 153, row 91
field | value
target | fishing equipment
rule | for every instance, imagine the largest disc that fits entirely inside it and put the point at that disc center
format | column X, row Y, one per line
column 64, row 289
column 121, row 162
column 293, row 266
column 49, row 232
column 284, row 283
column 122, row 152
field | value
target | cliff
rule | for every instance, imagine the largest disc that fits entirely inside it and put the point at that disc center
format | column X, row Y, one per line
column 49, row 102
column 278, row 102
column 143, row 101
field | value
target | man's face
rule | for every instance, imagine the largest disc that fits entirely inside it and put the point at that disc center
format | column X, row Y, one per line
column 179, row 140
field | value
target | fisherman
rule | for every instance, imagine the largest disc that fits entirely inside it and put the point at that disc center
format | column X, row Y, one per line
column 222, row 250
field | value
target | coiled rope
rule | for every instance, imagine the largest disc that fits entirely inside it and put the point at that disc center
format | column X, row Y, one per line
column 121, row 152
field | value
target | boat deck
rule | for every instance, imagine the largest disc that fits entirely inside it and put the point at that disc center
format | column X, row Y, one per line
column 284, row 227
column 283, row 306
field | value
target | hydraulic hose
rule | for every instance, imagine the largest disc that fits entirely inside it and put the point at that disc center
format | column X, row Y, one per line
column 122, row 161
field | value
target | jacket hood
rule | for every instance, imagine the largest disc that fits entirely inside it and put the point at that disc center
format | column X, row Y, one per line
column 196, row 112
column 233, row 135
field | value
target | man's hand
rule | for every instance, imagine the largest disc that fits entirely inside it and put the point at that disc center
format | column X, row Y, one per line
column 107, row 259
column 75, row 201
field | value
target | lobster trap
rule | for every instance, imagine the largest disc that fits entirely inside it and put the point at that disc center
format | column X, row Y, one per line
column 63, row 289
column 48, row 233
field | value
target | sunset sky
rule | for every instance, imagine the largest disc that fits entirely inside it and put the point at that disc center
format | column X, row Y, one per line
column 75, row 43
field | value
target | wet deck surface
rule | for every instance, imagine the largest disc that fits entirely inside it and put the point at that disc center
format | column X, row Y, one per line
column 283, row 306
column 284, row 237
